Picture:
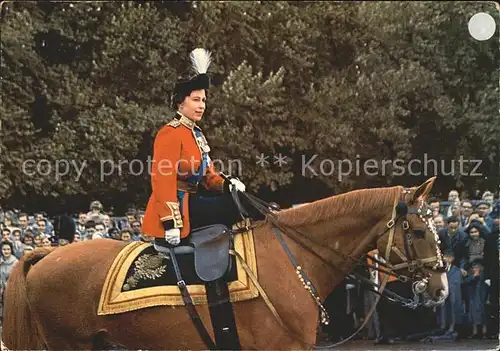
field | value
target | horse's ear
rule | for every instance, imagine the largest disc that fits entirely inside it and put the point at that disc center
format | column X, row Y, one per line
column 424, row 189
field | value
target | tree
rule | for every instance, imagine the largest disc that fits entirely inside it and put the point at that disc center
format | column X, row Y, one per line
column 451, row 98
column 329, row 86
column 83, row 107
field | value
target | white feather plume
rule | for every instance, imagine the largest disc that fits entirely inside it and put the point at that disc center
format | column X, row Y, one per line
column 200, row 60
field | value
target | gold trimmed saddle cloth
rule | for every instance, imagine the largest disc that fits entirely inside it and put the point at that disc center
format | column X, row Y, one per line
column 141, row 277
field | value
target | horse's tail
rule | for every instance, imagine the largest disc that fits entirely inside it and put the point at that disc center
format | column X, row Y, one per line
column 21, row 330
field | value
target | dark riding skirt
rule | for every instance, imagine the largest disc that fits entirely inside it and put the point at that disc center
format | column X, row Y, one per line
column 208, row 209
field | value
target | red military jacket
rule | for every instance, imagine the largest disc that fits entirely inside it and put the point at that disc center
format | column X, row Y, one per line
column 179, row 149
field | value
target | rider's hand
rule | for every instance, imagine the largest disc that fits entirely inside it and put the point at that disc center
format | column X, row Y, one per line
column 487, row 282
column 236, row 183
column 464, row 272
column 173, row 236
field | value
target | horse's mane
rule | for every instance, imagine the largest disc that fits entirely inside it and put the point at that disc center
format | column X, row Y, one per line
column 359, row 202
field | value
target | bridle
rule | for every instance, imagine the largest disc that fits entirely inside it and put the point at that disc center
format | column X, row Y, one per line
column 409, row 260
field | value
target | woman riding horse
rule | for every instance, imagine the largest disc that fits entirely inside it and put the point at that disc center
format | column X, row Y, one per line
column 51, row 302
column 182, row 166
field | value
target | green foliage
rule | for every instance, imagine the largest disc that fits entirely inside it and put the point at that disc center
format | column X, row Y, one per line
column 452, row 98
column 90, row 82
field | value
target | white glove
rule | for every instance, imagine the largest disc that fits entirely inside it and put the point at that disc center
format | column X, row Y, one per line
column 236, row 183
column 173, row 236
column 487, row 282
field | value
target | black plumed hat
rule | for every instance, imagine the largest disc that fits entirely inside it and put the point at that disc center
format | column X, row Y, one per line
column 200, row 61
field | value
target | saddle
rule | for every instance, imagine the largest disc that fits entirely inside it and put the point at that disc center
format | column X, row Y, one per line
column 210, row 246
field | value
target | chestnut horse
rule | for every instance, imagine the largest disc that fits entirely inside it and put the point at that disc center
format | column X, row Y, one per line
column 51, row 298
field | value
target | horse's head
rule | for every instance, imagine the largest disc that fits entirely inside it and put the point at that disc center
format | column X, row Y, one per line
column 411, row 245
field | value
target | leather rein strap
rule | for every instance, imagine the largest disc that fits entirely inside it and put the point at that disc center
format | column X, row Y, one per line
column 195, row 317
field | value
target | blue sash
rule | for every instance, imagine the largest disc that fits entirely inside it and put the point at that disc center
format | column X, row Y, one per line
column 195, row 178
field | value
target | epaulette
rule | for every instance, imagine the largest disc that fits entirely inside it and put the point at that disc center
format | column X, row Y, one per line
column 174, row 123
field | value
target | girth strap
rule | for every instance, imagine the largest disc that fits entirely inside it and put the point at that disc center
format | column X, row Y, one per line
column 195, row 317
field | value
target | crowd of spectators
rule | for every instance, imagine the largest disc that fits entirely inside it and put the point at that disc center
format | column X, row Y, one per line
column 469, row 235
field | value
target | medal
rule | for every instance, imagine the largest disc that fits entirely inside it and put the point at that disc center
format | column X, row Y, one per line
column 203, row 144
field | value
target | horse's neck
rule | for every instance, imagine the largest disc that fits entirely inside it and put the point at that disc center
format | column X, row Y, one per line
column 349, row 231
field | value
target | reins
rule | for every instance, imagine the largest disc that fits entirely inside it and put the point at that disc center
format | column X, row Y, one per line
column 271, row 217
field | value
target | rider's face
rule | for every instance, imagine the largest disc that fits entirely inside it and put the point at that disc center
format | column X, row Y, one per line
column 193, row 105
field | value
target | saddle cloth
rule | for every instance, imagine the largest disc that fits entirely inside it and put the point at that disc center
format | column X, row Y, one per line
column 140, row 277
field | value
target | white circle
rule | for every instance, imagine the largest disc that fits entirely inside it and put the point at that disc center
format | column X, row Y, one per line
column 482, row 26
